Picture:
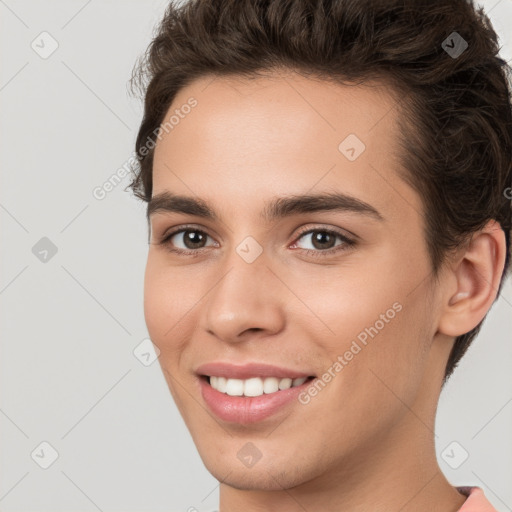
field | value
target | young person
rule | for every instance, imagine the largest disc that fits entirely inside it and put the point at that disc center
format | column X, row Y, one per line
column 328, row 188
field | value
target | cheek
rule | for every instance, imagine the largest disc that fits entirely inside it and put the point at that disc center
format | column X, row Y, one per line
column 366, row 396
column 379, row 323
column 165, row 311
column 348, row 302
column 165, row 304
column 393, row 357
column 154, row 303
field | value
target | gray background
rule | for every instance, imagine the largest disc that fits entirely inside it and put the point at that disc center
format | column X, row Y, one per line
column 68, row 373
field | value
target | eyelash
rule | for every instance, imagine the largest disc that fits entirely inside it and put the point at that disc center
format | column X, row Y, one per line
column 346, row 245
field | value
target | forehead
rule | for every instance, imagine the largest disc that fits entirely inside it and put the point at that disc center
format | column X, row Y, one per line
column 283, row 133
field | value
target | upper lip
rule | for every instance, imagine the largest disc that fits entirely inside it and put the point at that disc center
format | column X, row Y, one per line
column 248, row 370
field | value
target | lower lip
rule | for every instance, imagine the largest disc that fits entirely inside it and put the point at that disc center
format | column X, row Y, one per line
column 246, row 409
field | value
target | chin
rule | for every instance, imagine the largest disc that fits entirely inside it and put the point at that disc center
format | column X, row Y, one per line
column 261, row 477
column 256, row 480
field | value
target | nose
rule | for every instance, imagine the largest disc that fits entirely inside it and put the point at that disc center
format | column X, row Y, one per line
column 246, row 299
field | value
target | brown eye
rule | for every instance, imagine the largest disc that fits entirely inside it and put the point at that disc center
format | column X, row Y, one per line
column 193, row 239
column 324, row 242
column 186, row 240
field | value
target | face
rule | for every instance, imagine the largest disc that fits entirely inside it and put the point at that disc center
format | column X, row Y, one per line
column 260, row 282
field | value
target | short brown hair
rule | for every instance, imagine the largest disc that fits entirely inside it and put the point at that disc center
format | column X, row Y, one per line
column 456, row 141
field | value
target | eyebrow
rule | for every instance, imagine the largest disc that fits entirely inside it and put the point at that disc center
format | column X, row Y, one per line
column 279, row 207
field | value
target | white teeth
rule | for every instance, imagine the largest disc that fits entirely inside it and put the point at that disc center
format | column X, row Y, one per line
column 235, row 387
column 221, row 384
column 270, row 385
column 254, row 386
column 285, row 383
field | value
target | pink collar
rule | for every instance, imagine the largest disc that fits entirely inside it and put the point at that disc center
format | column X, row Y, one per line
column 476, row 501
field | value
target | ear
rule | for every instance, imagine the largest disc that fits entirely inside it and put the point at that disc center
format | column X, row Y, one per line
column 473, row 281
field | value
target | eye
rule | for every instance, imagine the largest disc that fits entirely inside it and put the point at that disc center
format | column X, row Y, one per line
column 185, row 240
column 189, row 241
column 324, row 241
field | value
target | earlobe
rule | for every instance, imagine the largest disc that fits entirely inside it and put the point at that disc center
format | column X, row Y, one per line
column 477, row 276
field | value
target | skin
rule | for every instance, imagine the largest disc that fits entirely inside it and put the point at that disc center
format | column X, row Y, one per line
column 366, row 441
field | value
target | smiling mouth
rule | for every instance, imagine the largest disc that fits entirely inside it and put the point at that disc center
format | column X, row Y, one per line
column 255, row 386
